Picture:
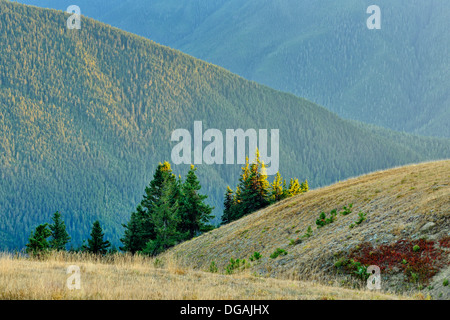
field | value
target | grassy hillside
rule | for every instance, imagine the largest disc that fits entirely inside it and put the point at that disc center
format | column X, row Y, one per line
column 408, row 203
column 396, row 77
column 86, row 115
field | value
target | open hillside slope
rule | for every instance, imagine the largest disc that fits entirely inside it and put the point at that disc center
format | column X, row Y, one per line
column 86, row 115
column 405, row 203
column 396, row 77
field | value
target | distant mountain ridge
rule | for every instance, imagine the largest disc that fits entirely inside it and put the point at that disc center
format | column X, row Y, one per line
column 397, row 77
column 86, row 115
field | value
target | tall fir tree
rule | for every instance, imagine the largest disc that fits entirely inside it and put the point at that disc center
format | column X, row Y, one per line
column 238, row 209
column 59, row 236
column 194, row 213
column 245, row 172
column 229, row 205
column 97, row 244
column 154, row 191
column 134, row 240
column 165, row 219
column 253, row 188
column 255, row 194
column 38, row 243
column 140, row 228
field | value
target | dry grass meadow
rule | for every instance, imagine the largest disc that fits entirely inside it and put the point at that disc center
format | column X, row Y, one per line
column 134, row 278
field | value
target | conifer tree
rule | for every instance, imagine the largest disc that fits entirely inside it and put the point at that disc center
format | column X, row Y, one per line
column 229, row 205
column 304, row 186
column 140, row 229
column 294, row 187
column 252, row 192
column 154, row 191
column 38, row 243
column 96, row 244
column 238, row 209
column 165, row 219
column 255, row 190
column 133, row 240
column 278, row 189
column 59, row 235
column 176, row 192
column 285, row 190
column 194, row 213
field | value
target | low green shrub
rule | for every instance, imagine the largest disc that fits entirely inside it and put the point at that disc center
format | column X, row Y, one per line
column 278, row 252
column 213, row 268
column 323, row 220
column 347, row 210
column 255, row 256
column 308, row 233
column 362, row 217
column 235, row 265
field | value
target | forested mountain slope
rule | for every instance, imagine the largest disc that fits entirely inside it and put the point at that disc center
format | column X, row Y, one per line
column 86, row 115
column 397, row 77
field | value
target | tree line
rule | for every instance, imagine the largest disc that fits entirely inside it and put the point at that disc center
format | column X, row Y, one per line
column 254, row 192
column 172, row 211
column 39, row 243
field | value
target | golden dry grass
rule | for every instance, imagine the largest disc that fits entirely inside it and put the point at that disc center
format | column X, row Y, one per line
column 126, row 277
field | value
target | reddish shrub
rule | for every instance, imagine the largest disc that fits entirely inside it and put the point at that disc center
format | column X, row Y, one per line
column 445, row 242
column 417, row 265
